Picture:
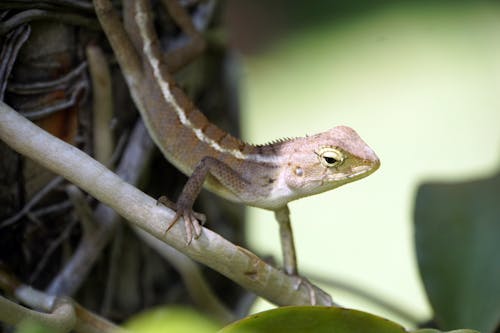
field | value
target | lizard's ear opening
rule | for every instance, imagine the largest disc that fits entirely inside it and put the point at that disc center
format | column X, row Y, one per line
column 330, row 157
column 298, row 171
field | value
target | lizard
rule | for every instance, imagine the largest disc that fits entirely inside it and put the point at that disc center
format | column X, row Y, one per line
column 267, row 176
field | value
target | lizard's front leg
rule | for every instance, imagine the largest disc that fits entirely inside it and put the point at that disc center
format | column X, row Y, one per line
column 184, row 205
column 288, row 250
column 286, row 237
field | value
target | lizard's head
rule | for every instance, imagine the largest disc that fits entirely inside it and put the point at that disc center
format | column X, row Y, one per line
column 327, row 160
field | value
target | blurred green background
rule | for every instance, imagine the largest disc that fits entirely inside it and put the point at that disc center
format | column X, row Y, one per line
column 419, row 81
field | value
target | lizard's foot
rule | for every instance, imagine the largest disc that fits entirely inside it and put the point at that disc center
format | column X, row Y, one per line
column 302, row 281
column 191, row 218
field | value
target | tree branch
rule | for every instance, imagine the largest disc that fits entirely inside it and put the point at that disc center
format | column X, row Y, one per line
column 238, row 264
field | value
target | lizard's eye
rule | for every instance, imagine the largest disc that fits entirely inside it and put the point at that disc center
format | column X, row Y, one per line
column 330, row 157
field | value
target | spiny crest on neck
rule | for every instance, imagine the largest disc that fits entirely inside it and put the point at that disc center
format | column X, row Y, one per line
column 275, row 142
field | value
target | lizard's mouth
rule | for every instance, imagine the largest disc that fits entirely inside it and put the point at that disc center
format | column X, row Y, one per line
column 362, row 171
column 357, row 172
column 365, row 170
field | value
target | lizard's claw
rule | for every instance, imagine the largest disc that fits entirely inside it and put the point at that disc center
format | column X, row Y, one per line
column 310, row 287
column 191, row 219
column 166, row 202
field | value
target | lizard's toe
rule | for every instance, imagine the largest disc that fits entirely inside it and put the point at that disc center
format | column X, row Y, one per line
column 163, row 200
column 174, row 221
column 196, row 223
column 189, row 229
column 201, row 218
column 192, row 220
column 301, row 281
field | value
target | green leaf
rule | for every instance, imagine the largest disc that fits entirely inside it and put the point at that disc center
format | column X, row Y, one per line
column 171, row 319
column 30, row 326
column 431, row 330
column 313, row 319
column 457, row 235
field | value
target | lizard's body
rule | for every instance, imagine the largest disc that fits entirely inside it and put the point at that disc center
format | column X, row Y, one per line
column 262, row 172
column 266, row 176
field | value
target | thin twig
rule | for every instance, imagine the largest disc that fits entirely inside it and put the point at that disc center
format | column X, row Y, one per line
column 102, row 103
column 188, row 47
column 64, row 235
column 118, row 151
column 79, row 88
column 47, row 86
column 75, row 4
column 203, row 14
column 11, row 46
column 244, row 305
column 62, row 319
column 112, row 274
column 82, row 210
column 41, row 14
column 36, row 198
column 60, row 314
column 54, row 208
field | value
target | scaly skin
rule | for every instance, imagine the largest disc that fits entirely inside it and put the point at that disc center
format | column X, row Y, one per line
column 266, row 176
